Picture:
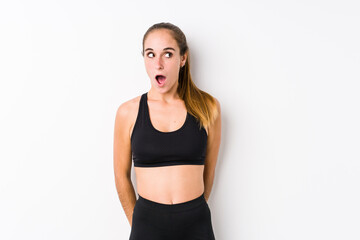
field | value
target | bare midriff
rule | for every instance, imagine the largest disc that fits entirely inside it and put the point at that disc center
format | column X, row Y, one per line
column 170, row 184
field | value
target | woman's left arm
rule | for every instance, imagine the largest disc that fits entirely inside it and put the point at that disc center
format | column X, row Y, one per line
column 212, row 150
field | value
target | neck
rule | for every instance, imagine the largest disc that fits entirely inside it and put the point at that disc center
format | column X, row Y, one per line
column 168, row 96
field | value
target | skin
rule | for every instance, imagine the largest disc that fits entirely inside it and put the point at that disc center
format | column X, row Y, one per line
column 167, row 184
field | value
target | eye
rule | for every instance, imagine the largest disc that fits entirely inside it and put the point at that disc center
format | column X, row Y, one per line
column 149, row 54
column 170, row 54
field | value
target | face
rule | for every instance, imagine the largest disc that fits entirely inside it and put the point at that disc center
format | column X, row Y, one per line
column 162, row 57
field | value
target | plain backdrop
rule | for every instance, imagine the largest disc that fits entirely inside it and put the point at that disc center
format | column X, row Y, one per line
column 286, row 74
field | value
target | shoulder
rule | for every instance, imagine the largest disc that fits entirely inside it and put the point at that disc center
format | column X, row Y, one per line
column 216, row 115
column 217, row 104
column 128, row 106
column 216, row 109
column 127, row 111
column 211, row 99
column 216, row 119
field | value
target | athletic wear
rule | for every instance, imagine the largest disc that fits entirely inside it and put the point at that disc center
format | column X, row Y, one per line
column 189, row 220
column 153, row 148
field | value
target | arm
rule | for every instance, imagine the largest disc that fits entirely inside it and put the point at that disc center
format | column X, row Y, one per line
column 122, row 161
column 213, row 145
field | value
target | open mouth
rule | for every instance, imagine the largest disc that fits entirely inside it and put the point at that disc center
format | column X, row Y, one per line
column 160, row 79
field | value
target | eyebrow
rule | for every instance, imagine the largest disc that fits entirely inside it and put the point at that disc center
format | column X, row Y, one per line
column 168, row 48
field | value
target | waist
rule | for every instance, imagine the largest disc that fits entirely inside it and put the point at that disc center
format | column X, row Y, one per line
column 170, row 184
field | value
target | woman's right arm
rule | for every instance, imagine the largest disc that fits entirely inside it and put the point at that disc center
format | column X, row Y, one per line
column 123, row 161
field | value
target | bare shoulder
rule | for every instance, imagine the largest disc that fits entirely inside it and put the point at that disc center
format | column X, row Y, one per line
column 128, row 107
column 217, row 104
column 216, row 125
column 218, row 109
column 127, row 112
column 218, row 118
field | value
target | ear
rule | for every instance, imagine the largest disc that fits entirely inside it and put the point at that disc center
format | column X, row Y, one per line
column 183, row 59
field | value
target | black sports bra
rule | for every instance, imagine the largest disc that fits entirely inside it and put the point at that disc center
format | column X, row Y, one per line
column 153, row 148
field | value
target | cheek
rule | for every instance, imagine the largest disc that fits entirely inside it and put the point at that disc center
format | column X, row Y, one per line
column 174, row 65
column 148, row 67
column 176, row 70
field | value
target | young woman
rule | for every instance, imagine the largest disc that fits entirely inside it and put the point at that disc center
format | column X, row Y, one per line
column 172, row 133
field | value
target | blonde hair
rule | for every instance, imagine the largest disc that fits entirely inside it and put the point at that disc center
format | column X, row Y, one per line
column 198, row 103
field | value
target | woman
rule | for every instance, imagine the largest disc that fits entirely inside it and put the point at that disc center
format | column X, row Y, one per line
column 172, row 133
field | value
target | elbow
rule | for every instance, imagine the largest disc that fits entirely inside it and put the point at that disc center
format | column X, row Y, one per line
column 123, row 177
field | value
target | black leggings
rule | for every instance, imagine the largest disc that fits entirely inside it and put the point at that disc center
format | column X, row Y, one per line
column 189, row 220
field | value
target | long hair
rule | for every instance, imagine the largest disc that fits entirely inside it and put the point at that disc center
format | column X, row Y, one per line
column 198, row 103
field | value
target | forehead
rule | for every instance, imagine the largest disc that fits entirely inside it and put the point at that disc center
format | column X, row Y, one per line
column 159, row 39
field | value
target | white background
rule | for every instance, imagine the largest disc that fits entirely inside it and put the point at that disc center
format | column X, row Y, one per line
column 286, row 74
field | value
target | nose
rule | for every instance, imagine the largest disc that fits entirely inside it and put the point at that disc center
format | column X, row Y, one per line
column 159, row 63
